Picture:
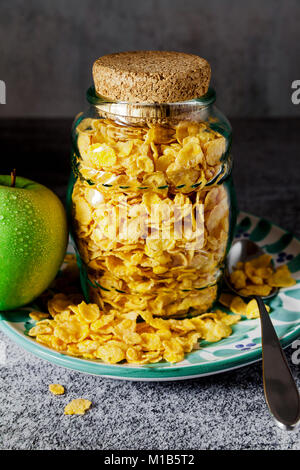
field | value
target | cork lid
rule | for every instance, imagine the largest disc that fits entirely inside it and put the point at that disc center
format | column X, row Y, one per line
column 151, row 76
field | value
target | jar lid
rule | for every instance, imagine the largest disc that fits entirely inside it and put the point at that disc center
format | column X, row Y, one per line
column 151, row 76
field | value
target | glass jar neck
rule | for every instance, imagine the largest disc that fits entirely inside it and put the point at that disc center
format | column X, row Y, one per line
column 196, row 109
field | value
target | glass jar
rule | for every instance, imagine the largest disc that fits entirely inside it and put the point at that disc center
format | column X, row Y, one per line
column 152, row 204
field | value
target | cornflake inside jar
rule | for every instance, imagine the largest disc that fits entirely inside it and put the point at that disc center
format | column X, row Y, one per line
column 154, row 227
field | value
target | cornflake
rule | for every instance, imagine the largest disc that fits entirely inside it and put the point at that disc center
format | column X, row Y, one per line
column 78, row 406
column 37, row 316
column 238, row 306
column 56, row 389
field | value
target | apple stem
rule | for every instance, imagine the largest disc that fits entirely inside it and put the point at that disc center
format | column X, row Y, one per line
column 13, row 177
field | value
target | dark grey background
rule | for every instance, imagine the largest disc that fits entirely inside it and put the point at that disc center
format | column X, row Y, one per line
column 48, row 47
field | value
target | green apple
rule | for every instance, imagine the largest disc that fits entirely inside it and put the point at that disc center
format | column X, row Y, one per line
column 33, row 240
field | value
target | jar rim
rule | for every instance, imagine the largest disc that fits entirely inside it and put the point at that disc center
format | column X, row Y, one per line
column 150, row 112
column 94, row 98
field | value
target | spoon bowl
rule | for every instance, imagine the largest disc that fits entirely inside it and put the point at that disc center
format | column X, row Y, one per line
column 242, row 251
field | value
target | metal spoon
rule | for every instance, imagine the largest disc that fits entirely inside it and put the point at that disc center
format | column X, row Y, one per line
column 281, row 392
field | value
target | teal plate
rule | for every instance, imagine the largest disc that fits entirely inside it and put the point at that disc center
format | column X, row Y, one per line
column 240, row 349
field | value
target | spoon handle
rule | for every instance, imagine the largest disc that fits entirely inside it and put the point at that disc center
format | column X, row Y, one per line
column 281, row 392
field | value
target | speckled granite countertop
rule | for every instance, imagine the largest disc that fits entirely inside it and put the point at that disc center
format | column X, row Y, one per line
column 225, row 411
